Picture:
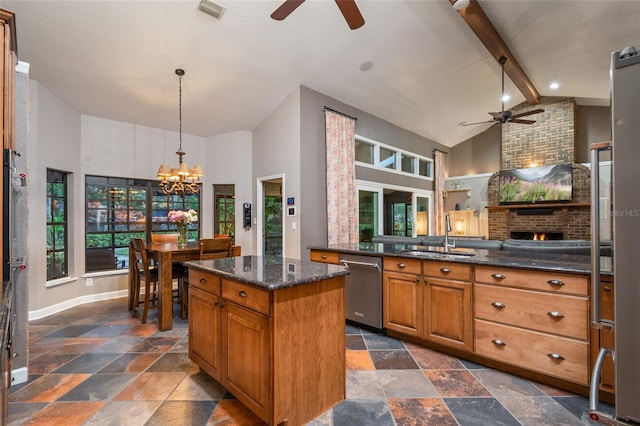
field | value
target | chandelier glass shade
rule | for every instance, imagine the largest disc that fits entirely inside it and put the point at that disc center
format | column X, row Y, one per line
column 180, row 180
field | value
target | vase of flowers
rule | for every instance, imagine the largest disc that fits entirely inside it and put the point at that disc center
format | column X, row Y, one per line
column 182, row 219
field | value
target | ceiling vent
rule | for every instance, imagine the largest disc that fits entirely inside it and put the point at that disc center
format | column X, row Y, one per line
column 212, row 8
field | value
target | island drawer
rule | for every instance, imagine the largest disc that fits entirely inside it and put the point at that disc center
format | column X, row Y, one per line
column 556, row 356
column 559, row 314
column 449, row 270
column 245, row 295
column 398, row 264
column 325, row 256
column 204, row 281
column 555, row 282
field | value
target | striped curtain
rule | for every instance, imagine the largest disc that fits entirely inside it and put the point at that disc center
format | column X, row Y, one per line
column 438, row 183
column 342, row 215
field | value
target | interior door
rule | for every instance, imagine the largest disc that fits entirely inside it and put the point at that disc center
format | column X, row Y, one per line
column 271, row 217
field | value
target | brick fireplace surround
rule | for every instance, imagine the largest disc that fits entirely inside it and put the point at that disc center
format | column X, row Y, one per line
column 551, row 140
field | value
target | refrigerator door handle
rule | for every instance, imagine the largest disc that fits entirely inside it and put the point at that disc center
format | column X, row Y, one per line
column 595, row 385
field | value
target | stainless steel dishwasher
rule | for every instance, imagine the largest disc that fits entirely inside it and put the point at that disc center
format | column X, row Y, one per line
column 363, row 289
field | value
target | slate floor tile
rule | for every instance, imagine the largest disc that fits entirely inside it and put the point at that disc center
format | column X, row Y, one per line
column 456, row 383
column 393, row 360
column 480, row 412
column 98, row 387
column 405, row 384
column 379, row 341
column 421, row 411
column 362, row 412
column 183, row 413
column 86, row 363
column 118, row 413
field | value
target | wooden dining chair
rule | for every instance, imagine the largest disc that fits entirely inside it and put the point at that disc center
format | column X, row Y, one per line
column 214, row 248
column 144, row 271
column 164, row 238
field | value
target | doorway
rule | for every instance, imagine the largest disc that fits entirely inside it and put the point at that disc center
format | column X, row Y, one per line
column 270, row 216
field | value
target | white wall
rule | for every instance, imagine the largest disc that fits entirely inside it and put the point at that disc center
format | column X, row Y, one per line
column 229, row 159
column 276, row 150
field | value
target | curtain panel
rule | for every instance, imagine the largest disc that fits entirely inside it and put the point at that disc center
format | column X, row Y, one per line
column 342, row 218
column 438, row 183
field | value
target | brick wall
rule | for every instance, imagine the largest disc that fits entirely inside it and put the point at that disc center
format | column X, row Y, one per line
column 551, row 140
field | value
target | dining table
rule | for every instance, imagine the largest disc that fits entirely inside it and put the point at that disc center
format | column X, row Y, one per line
column 165, row 254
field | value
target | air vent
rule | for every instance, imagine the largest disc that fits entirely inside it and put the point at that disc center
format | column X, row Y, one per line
column 212, row 8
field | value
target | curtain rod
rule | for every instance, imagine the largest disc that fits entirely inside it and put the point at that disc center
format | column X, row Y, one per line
column 439, row 150
column 326, row 108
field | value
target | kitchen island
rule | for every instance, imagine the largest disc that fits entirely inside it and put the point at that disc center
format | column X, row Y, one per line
column 271, row 330
column 522, row 312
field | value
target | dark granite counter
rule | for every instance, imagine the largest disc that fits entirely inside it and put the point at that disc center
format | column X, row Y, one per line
column 579, row 264
column 269, row 272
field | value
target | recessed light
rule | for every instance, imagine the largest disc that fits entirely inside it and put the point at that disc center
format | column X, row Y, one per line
column 554, row 86
column 366, row 66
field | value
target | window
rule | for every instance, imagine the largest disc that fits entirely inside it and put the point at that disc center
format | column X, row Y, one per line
column 224, row 214
column 57, row 255
column 119, row 209
column 369, row 153
column 364, row 152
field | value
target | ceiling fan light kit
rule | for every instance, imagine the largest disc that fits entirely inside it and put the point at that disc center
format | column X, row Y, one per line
column 212, row 8
column 460, row 4
column 503, row 116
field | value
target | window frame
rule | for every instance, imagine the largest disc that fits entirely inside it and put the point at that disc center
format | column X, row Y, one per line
column 64, row 224
column 397, row 157
column 126, row 217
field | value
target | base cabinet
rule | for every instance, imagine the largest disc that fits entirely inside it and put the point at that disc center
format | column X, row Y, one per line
column 402, row 306
column 279, row 352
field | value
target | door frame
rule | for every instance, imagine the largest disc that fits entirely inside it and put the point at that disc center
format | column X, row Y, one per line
column 260, row 212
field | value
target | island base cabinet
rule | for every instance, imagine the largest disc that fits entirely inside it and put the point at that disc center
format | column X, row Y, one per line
column 246, row 357
column 204, row 331
column 402, row 300
column 552, row 355
column 448, row 319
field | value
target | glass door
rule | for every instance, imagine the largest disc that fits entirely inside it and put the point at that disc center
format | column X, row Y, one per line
column 369, row 200
column 422, row 214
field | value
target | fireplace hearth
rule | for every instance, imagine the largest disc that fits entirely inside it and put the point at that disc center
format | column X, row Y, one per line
column 536, row 235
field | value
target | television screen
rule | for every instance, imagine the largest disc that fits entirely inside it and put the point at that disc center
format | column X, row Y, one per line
column 536, row 184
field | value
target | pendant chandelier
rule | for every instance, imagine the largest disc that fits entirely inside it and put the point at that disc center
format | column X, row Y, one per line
column 182, row 180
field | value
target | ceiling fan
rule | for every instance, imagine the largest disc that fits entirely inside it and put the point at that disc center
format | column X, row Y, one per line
column 348, row 8
column 506, row 116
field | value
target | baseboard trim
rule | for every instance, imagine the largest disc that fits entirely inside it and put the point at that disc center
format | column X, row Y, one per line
column 19, row 375
column 63, row 306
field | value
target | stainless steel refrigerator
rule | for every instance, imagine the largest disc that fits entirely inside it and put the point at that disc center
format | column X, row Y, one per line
column 625, row 214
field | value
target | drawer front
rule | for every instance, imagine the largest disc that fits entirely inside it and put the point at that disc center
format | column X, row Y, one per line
column 324, row 256
column 245, row 295
column 552, row 355
column 204, row 281
column 398, row 264
column 554, row 282
column 449, row 270
column 551, row 313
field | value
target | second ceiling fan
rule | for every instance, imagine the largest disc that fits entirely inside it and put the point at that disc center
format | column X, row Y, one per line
column 503, row 116
column 348, row 8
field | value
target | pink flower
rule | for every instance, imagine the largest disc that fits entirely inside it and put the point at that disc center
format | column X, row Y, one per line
column 180, row 216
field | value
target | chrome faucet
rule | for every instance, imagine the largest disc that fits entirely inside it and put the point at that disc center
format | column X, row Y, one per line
column 447, row 229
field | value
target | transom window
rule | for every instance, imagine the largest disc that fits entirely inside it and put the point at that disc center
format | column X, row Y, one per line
column 370, row 153
column 118, row 209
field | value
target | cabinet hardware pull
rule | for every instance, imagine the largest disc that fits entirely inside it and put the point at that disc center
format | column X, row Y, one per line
column 221, row 305
column 607, row 288
column 555, row 282
column 498, row 305
column 216, row 303
column 498, row 342
column 417, row 279
column 498, row 276
column 555, row 314
column 556, row 356
column 202, row 281
column 324, row 256
column 242, row 293
column 401, row 265
column 445, row 270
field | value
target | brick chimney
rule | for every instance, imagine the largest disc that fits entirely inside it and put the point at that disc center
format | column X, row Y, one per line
column 551, row 140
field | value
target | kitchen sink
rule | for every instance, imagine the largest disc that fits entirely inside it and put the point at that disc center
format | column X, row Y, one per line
column 438, row 254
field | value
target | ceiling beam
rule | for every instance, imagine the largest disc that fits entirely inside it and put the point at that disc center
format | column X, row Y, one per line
column 480, row 24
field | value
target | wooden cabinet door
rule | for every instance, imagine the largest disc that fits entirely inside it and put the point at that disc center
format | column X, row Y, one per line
column 447, row 313
column 246, row 350
column 204, row 331
column 402, row 300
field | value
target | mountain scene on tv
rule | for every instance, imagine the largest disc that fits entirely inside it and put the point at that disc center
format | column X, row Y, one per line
column 536, row 184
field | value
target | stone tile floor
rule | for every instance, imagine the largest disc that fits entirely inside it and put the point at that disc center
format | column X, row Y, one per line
column 95, row 365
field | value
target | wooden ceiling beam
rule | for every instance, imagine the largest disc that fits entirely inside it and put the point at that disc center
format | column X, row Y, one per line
column 480, row 24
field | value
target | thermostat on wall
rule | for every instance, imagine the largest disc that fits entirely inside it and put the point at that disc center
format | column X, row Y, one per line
column 291, row 211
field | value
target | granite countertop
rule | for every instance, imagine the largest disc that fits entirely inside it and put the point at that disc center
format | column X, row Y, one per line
column 269, row 272
column 579, row 264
